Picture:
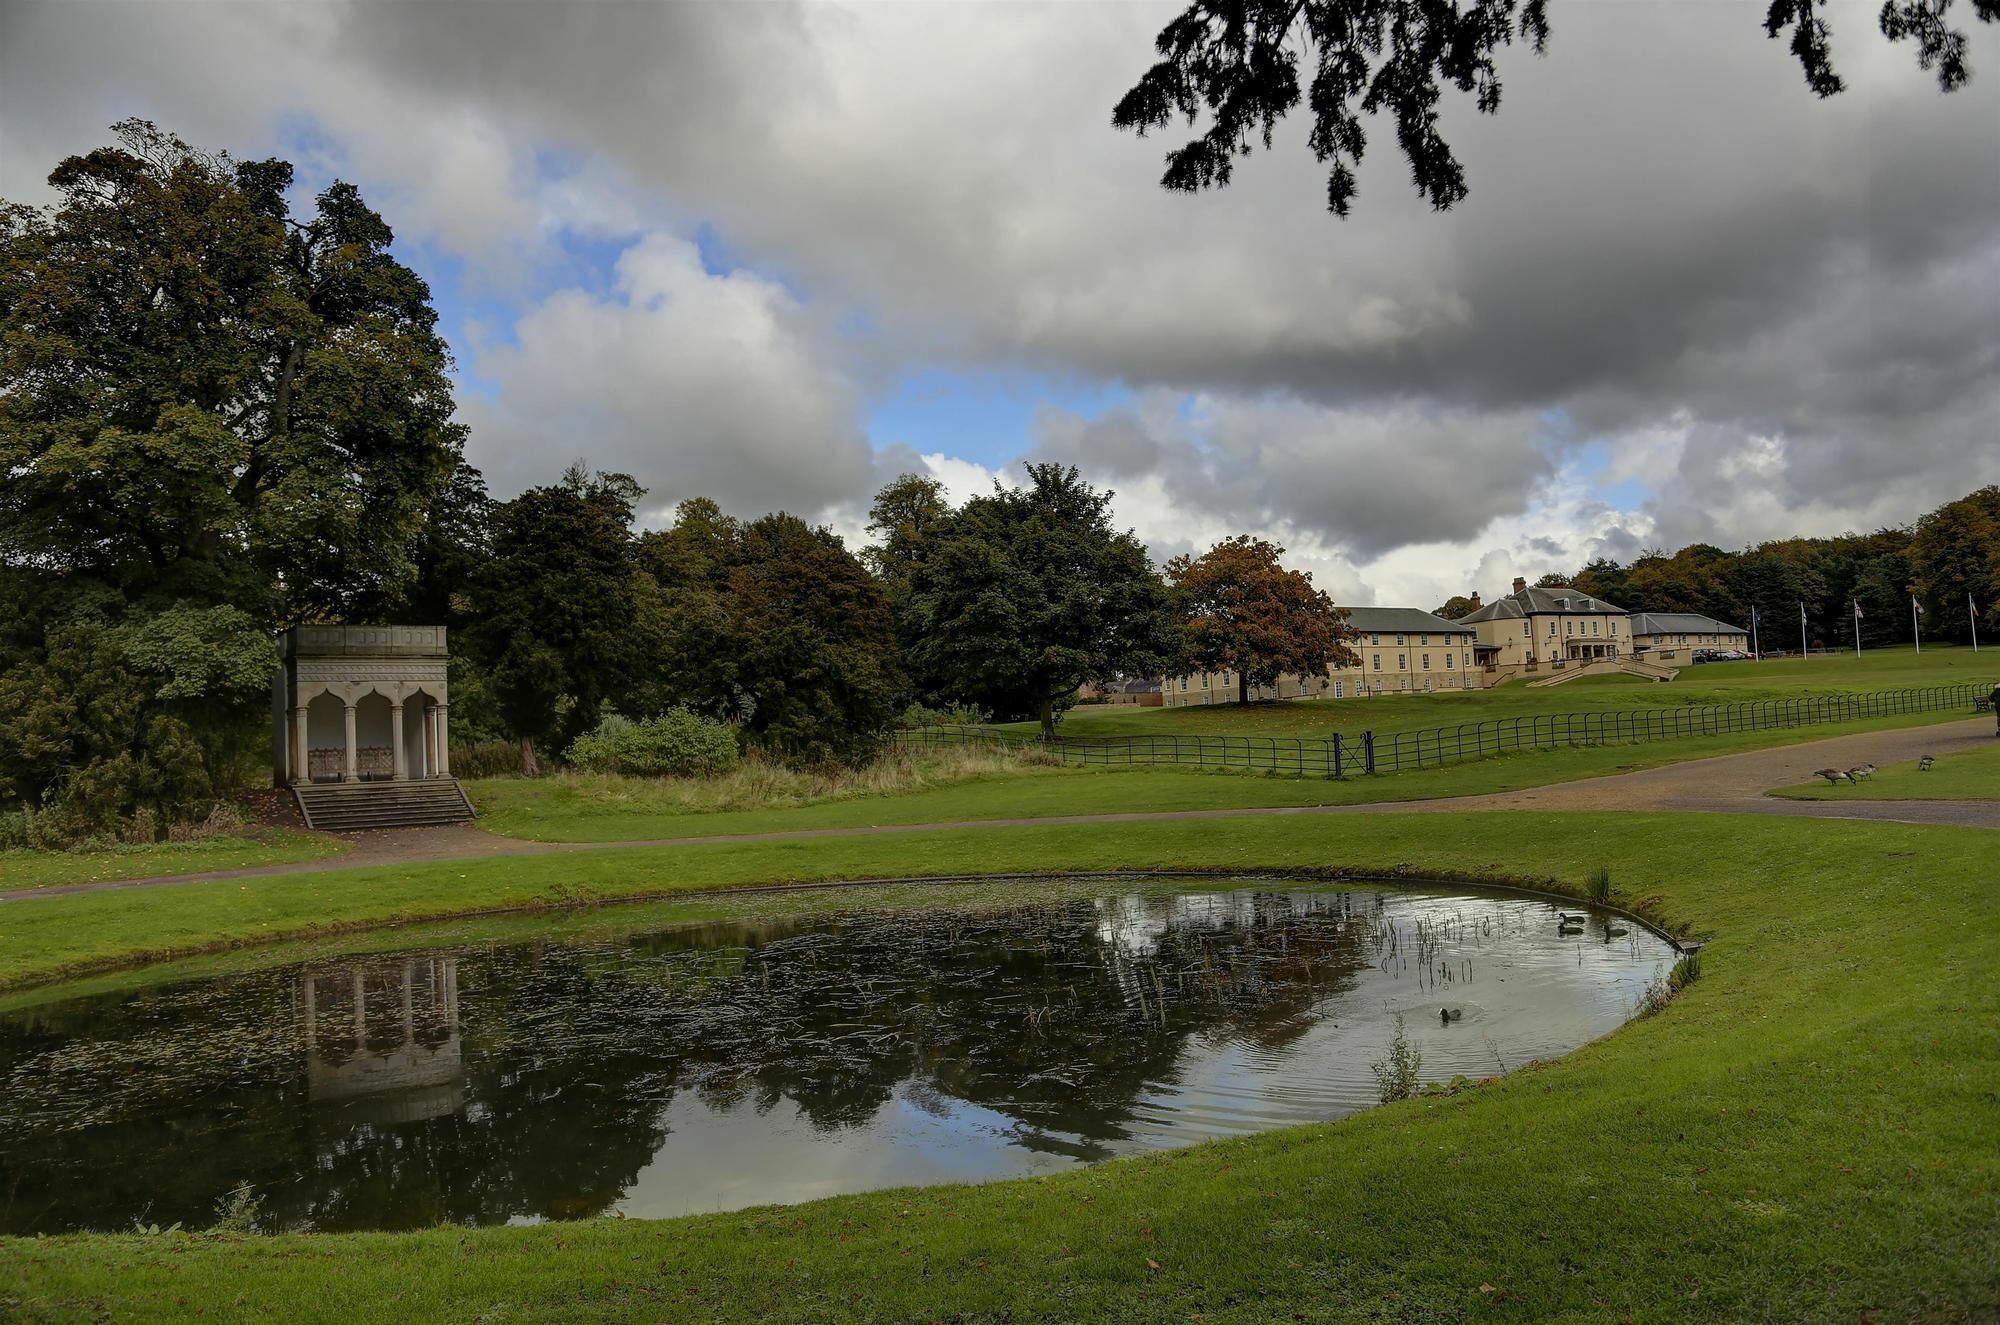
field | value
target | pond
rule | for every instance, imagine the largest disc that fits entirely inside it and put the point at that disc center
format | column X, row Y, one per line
column 715, row 1066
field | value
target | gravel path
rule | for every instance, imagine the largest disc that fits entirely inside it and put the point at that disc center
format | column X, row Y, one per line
column 1730, row 784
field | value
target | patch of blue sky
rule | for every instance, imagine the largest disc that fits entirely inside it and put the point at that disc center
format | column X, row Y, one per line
column 982, row 415
column 1592, row 463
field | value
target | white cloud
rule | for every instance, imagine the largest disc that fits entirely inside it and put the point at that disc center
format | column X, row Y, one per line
column 698, row 384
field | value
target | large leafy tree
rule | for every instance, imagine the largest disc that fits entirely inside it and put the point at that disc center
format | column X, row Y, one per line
column 774, row 625
column 816, row 665
column 905, row 517
column 215, row 417
column 1241, row 609
column 1024, row 594
column 554, row 608
column 205, row 398
column 1956, row 554
column 1242, row 61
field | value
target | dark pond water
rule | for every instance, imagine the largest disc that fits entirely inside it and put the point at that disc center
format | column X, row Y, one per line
column 718, row 1066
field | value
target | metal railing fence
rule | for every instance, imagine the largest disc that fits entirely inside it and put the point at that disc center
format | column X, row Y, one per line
column 1434, row 747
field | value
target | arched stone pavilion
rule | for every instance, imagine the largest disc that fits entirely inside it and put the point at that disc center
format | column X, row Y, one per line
column 359, row 705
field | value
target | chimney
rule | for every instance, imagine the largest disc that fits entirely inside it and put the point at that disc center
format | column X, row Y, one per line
column 1475, row 600
column 1520, row 585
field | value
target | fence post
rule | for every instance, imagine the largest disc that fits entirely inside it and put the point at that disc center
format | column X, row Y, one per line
column 1337, row 760
column 1368, row 751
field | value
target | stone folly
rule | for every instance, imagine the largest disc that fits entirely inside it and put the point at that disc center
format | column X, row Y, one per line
column 360, row 704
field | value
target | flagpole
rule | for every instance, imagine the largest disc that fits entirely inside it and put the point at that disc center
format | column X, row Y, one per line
column 1857, row 627
column 1916, row 629
column 1805, row 649
column 1972, row 614
column 1754, row 646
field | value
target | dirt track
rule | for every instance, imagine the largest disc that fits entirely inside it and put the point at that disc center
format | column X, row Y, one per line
column 1726, row 784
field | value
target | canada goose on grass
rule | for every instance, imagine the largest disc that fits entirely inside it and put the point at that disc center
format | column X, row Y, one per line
column 1864, row 771
column 1924, row 764
column 1834, row 777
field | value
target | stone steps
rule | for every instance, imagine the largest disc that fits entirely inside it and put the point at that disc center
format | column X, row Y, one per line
column 341, row 807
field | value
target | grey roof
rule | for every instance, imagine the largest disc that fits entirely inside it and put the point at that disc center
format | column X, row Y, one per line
column 1532, row 600
column 1681, row 623
column 1406, row 620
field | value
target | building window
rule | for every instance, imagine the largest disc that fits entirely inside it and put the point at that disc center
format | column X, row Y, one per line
column 1399, row 641
column 1527, row 630
column 1402, row 662
column 1614, row 627
column 1593, row 627
column 1427, row 662
column 1340, row 690
column 1374, row 639
column 1378, row 662
column 1423, row 639
column 1448, row 659
column 1569, row 628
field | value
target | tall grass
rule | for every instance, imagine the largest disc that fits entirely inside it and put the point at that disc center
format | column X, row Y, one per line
column 760, row 784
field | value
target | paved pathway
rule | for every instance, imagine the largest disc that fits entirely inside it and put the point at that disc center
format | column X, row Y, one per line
column 1733, row 784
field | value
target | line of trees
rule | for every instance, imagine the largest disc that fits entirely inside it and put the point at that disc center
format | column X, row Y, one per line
column 1948, row 561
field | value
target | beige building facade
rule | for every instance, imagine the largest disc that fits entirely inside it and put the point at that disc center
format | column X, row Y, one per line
column 1672, row 636
column 1398, row 651
column 1535, row 627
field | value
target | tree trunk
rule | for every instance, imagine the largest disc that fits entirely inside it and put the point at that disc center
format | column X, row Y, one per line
column 1242, row 687
column 529, row 768
column 1048, row 719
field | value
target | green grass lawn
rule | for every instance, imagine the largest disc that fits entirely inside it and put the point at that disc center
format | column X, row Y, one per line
column 1806, row 1134
column 1973, row 776
column 554, row 810
column 271, row 846
column 1710, row 683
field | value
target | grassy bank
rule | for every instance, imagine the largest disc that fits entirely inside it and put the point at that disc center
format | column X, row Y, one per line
column 1971, row 776
column 1805, row 1134
column 271, row 846
column 566, row 809
column 1710, row 683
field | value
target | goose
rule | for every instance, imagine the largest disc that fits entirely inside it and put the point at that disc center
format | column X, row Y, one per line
column 1864, row 771
column 1448, row 1015
column 1833, row 776
column 1924, row 764
column 1565, row 918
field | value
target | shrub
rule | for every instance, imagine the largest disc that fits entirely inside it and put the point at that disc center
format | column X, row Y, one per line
column 486, row 759
column 675, row 744
column 1396, row 1075
column 1600, row 884
column 239, row 1210
column 952, row 715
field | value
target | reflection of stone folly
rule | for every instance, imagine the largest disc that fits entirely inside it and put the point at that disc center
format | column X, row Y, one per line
column 355, row 705
column 386, row 1038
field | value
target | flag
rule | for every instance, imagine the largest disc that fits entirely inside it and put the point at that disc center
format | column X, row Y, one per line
column 1858, row 613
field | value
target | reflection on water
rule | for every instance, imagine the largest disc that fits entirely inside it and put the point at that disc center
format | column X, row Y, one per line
column 719, row 1066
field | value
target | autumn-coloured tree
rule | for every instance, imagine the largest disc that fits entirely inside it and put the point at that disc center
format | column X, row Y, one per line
column 1244, row 611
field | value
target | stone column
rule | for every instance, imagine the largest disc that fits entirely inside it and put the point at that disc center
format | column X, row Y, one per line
column 400, row 762
column 301, row 760
column 430, row 740
column 352, row 767
column 444, row 745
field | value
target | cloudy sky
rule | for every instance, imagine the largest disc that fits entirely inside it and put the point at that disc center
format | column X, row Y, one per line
column 777, row 253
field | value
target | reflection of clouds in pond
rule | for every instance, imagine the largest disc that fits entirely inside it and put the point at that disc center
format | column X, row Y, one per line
column 729, row 1158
